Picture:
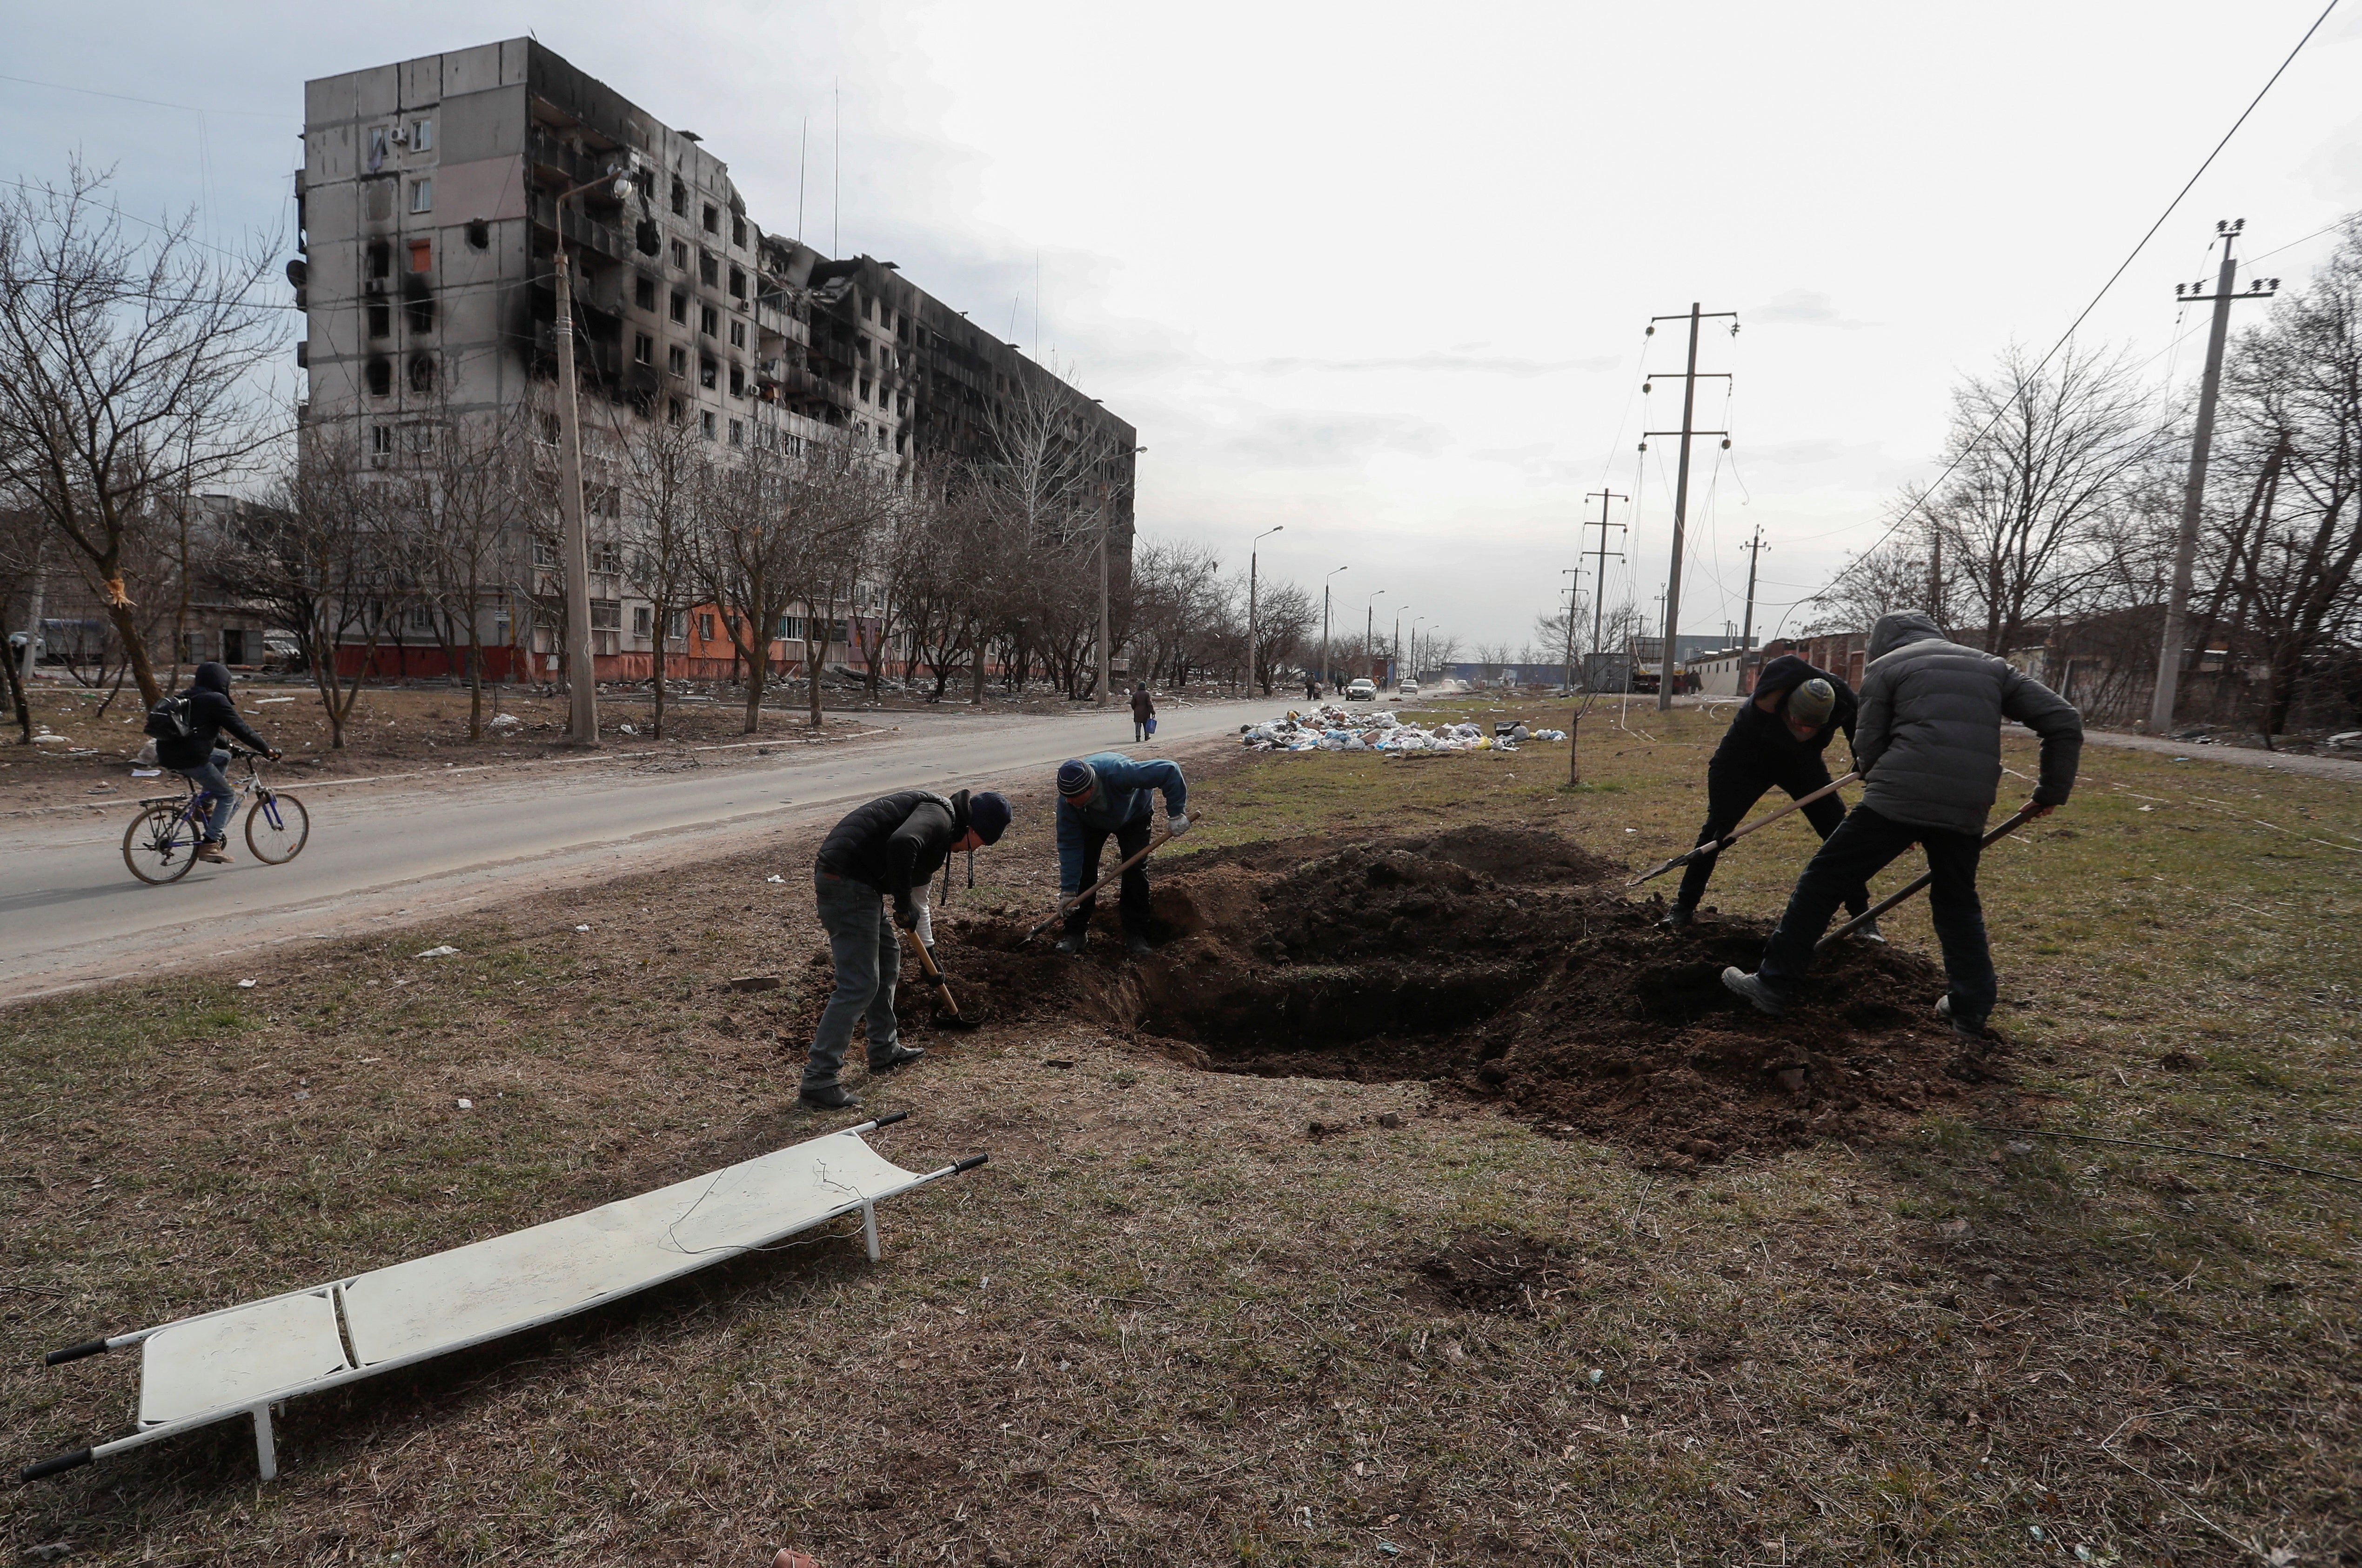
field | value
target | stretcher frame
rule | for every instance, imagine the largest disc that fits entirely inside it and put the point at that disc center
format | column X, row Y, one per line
column 289, row 1323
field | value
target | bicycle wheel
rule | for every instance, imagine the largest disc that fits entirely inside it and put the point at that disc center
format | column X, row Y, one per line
column 277, row 826
column 160, row 844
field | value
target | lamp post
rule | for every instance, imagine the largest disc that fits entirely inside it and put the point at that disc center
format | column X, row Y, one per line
column 582, row 686
column 1394, row 656
column 1259, row 538
column 1370, row 622
column 1324, row 624
column 1414, row 620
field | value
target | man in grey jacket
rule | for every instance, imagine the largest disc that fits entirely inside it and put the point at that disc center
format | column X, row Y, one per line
column 1927, row 744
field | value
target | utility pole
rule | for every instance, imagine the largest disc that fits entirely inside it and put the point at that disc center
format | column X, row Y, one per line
column 1324, row 624
column 1259, row 538
column 1747, row 628
column 1370, row 623
column 1599, row 576
column 1690, row 379
column 2193, row 493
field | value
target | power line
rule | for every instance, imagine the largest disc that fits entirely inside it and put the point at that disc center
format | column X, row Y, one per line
column 2084, row 315
column 151, row 103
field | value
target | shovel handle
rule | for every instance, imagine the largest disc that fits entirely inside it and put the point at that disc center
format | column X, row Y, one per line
column 1066, row 906
column 2023, row 816
column 1718, row 845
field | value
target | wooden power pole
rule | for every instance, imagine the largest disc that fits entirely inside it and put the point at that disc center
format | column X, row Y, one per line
column 1690, row 377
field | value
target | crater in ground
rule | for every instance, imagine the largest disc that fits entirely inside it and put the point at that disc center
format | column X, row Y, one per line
column 1505, row 964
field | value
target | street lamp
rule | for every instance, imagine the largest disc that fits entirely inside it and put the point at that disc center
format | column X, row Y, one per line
column 1370, row 621
column 1259, row 538
column 1394, row 658
column 1414, row 620
column 582, row 686
column 1324, row 625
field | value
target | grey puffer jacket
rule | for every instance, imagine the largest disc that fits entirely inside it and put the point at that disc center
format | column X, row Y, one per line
column 1929, row 737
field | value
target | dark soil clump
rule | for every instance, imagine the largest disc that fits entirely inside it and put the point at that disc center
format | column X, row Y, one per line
column 1495, row 961
column 1504, row 1276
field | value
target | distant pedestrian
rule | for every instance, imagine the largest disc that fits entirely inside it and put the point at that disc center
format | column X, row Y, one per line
column 1143, row 709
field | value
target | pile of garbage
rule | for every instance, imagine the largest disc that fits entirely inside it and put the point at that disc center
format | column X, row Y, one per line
column 1331, row 728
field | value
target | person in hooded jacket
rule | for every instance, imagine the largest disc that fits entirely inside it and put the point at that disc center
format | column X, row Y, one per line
column 198, row 756
column 1144, row 708
column 1108, row 793
column 885, row 850
column 1775, row 741
column 1927, row 744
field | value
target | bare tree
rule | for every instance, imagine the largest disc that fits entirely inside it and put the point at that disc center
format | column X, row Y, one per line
column 670, row 475
column 1284, row 616
column 460, row 502
column 316, row 551
column 2295, row 410
column 2044, row 458
column 128, row 373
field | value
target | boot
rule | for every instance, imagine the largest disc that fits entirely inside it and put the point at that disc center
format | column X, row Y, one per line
column 902, row 1054
column 1761, row 996
column 211, row 852
column 1073, row 942
column 1676, row 917
column 826, row 1096
column 1136, row 943
column 1962, row 1027
column 1868, row 932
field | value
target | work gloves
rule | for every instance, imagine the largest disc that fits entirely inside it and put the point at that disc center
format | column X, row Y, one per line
column 1176, row 825
column 906, row 914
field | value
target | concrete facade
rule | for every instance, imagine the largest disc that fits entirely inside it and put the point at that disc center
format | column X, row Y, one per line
column 428, row 223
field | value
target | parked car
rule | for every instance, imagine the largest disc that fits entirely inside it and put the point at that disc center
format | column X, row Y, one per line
column 1407, row 690
column 1363, row 691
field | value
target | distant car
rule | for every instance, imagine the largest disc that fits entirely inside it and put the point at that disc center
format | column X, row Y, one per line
column 1362, row 692
column 1407, row 690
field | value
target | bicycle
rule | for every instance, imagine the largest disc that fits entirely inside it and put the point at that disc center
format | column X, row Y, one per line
column 160, row 844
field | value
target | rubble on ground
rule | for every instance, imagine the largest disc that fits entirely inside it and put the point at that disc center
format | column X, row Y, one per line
column 1331, row 728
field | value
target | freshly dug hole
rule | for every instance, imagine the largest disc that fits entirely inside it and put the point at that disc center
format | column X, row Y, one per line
column 1493, row 960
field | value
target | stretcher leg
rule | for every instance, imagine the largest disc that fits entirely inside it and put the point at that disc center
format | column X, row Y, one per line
column 869, row 1229
column 266, row 1453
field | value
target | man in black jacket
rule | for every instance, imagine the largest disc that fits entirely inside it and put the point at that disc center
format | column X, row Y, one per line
column 195, row 752
column 1776, row 739
column 1927, row 744
column 886, row 849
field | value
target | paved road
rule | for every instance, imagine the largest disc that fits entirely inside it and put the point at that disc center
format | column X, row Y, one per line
column 72, row 915
column 2344, row 769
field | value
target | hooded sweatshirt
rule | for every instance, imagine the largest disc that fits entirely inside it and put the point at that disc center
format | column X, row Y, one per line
column 210, row 712
column 1929, row 737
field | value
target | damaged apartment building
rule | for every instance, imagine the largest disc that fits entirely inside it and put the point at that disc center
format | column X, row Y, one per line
column 428, row 224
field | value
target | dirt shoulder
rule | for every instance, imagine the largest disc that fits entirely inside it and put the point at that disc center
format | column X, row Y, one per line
column 1236, row 1289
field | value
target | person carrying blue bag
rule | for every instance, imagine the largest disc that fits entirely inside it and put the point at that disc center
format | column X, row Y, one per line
column 1109, row 794
column 1144, row 712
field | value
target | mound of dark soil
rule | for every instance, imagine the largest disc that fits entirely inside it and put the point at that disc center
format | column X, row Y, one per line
column 1494, row 961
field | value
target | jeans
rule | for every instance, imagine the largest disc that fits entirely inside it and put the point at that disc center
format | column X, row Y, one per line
column 1132, row 896
column 865, row 947
column 1732, row 788
column 215, row 783
column 1861, row 846
column 1139, row 731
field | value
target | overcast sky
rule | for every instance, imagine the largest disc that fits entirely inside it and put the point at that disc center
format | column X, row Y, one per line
column 1380, row 273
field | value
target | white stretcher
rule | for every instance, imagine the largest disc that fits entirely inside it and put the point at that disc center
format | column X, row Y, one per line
column 242, row 1360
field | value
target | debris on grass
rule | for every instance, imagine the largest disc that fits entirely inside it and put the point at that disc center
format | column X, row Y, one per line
column 443, row 952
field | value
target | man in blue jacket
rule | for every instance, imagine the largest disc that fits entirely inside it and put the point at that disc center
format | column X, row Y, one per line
column 1927, row 744
column 1110, row 793
column 1776, row 740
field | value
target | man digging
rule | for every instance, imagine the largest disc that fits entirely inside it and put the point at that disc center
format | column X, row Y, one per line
column 887, row 849
column 1106, row 794
column 1927, row 744
column 1775, row 741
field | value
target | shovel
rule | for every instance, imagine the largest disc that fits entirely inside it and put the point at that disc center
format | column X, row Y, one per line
column 1718, row 845
column 956, row 1020
column 1067, row 906
column 2024, row 815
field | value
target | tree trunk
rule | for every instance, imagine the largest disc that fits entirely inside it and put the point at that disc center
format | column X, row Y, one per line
column 475, row 681
column 814, row 660
column 758, row 666
column 16, row 692
column 135, row 652
column 656, row 668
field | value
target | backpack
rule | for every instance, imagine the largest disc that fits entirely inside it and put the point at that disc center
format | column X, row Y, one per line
column 169, row 720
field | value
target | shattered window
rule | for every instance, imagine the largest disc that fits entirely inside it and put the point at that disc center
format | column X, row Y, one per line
column 680, row 308
column 422, row 135
column 422, row 195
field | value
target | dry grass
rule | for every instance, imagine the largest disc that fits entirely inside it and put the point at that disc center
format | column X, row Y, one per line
column 1165, row 1325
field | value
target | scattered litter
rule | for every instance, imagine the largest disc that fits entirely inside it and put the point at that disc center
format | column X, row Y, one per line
column 1599, row 1375
column 504, row 721
column 146, row 773
column 245, row 985
column 775, row 876
column 466, row 1105
column 749, row 982
column 581, row 928
column 266, row 701
column 626, row 729
column 1331, row 728
column 436, row 953
column 43, row 737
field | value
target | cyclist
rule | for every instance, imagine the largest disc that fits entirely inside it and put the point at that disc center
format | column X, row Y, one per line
column 188, row 740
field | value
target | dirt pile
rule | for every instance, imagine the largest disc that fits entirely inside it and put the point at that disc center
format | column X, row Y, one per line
column 1504, row 963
